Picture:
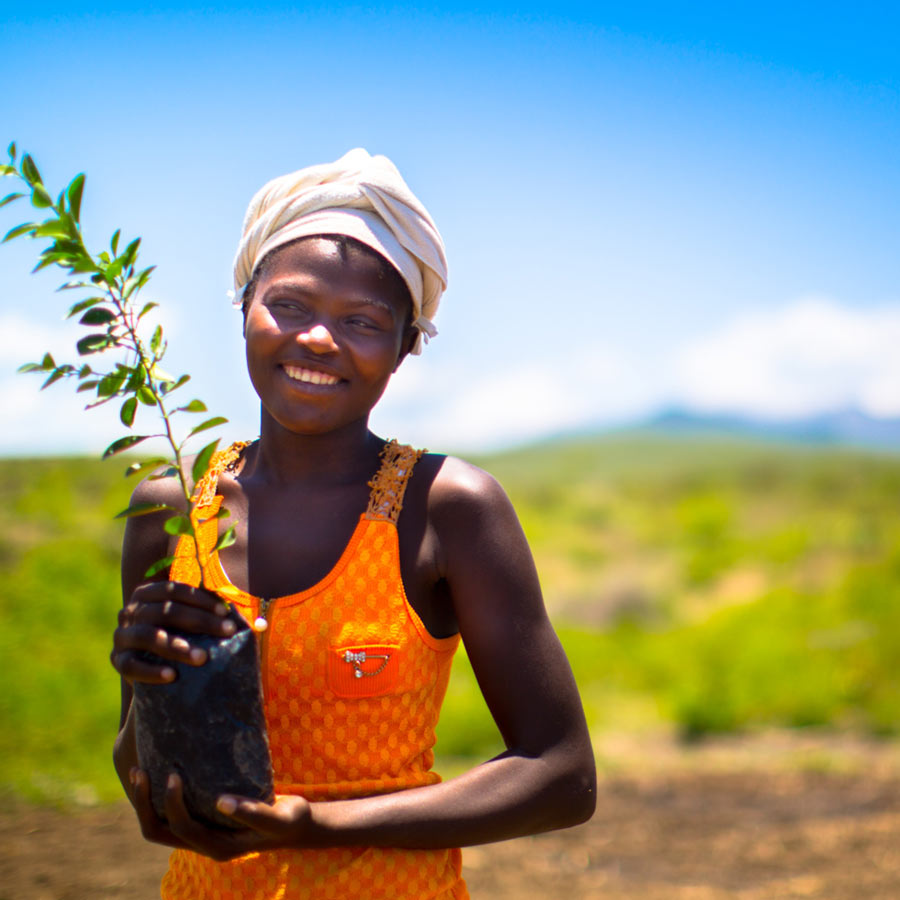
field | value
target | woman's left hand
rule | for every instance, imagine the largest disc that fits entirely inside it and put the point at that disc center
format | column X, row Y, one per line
column 267, row 826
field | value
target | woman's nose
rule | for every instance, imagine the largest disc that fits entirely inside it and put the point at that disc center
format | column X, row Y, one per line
column 318, row 339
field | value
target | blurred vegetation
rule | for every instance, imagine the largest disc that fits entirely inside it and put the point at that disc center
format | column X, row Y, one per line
column 711, row 584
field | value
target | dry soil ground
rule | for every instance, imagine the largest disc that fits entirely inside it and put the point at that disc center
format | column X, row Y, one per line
column 775, row 817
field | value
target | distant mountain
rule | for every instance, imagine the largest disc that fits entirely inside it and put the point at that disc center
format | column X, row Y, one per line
column 848, row 427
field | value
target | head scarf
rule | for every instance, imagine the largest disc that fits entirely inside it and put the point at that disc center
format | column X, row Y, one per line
column 361, row 196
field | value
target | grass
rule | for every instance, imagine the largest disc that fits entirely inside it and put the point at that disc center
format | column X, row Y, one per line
column 712, row 586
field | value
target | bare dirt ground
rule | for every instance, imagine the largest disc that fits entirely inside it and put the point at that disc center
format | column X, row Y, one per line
column 774, row 817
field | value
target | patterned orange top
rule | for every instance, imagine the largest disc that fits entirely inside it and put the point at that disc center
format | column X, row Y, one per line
column 353, row 685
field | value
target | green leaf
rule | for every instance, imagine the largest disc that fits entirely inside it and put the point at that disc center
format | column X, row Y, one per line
column 99, row 315
column 110, row 384
column 55, row 376
column 86, row 264
column 73, row 192
column 171, row 472
column 10, row 197
column 51, row 228
column 144, row 464
column 97, row 403
column 174, row 385
column 30, row 367
column 84, row 304
column 47, row 362
column 161, row 376
column 11, row 150
column 146, row 309
column 130, row 254
column 178, row 525
column 127, row 412
column 30, row 170
column 114, row 269
column 84, row 371
column 145, row 395
column 27, row 228
column 114, row 242
column 156, row 338
column 226, row 539
column 141, row 509
column 63, row 259
column 159, row 565
column 86, row 386
column 123, row 444
column 201, row 463
column 195, row 406
column 93, row 343
column 40, row 198
column 136, row 379
column 209, row 423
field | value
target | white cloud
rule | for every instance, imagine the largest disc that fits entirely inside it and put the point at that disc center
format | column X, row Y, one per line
column 807, row 357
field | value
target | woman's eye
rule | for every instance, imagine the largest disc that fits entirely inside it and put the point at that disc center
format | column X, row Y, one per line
column 286, row 305
column 364, row 323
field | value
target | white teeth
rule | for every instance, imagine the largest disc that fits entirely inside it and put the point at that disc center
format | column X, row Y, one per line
column 308, row 376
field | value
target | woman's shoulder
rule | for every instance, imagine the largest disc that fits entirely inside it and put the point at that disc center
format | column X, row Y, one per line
column 456, row 490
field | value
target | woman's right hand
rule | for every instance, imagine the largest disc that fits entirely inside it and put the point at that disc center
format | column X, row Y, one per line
column 155, row 620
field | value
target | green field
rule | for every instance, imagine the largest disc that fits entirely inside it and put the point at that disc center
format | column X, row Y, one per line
column 710, row 585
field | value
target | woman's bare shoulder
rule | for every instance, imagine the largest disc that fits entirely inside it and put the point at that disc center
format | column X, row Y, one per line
column 461, row 494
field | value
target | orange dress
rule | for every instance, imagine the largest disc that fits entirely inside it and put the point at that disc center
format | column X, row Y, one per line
column 353, row 685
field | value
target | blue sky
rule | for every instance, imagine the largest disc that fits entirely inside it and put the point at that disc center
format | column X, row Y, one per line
column 643, row 205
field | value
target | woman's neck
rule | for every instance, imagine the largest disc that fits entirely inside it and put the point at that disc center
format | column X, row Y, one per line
column 338, row 457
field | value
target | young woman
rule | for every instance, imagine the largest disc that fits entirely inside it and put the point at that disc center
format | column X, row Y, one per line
column 363, row 564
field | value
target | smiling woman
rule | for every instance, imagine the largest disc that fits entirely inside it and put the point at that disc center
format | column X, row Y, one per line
column 362, row 564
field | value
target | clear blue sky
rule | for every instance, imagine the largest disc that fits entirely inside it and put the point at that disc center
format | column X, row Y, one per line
column 643, row 205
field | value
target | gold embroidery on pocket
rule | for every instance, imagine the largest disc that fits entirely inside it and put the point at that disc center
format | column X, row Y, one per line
column 357, row 659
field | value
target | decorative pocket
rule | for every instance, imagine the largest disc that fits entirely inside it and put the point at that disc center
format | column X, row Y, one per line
column 363, row 670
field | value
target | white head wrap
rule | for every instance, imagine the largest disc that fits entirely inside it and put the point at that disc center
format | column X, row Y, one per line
column 361, row 196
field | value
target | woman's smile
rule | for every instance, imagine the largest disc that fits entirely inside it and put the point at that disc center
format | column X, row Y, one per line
column 309, row 376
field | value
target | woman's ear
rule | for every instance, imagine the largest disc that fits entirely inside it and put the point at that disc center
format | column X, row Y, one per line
column 410, row 336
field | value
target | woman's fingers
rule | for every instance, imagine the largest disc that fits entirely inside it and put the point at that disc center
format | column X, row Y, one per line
column 133, row 668
column 215, row 843
column 152, row 827
column 287, row 814
column 161, row 591
column 152, row 639
column 178, row 606
column 158, row 620
column 132, row 644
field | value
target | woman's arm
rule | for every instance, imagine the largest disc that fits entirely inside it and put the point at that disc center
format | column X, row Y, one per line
column 546, row 777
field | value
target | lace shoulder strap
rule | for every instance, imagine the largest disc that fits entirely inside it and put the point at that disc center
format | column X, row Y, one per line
column 222, row 460
column 389, row 485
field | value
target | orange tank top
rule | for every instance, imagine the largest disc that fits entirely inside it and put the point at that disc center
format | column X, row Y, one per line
column 353, row 685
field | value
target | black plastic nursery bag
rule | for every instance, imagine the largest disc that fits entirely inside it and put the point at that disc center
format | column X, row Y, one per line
column 208, row 726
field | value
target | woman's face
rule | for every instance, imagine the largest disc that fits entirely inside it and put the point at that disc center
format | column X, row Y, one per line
column 325, row 330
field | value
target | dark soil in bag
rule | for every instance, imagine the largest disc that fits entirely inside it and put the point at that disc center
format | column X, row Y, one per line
column 208, row 726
